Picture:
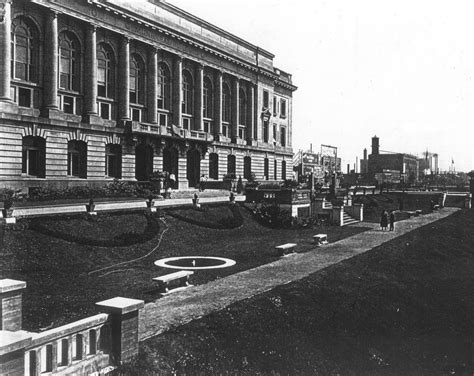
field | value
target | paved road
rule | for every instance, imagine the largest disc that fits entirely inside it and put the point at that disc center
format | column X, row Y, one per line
column 192, row 303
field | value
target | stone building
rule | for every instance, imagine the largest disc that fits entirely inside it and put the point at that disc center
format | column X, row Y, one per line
column 95, row 90
column 379, row 162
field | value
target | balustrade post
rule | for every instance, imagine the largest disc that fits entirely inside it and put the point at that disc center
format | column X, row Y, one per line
column 123, row 316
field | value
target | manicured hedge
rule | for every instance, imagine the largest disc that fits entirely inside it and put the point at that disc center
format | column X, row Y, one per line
column 124, row 239
column 227, row 223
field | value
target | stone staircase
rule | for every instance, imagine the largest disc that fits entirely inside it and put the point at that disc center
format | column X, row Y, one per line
column 348, row 219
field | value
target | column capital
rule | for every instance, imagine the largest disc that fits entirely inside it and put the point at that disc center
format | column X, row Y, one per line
column 92, row 28
column 53, row 14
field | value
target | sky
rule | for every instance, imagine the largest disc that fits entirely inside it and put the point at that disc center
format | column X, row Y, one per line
column 398, row 69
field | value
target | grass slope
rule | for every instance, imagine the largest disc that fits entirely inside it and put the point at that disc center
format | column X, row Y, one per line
column 65, row 280
column 404, row 308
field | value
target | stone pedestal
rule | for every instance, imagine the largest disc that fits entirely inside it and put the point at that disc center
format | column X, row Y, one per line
column 10, row 304
column 124, row 326
column 12, row 352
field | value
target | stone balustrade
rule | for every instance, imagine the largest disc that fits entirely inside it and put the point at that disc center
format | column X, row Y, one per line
column 95, row 344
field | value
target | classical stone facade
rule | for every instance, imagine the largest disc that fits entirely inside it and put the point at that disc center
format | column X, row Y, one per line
column 97, row 90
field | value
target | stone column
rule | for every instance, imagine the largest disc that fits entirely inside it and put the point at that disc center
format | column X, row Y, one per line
column 124, row 80
column 10, row 300
column 234, row 133
column 177, row 90
column 124, row 324
column 50, row 77
column 251, row 114
column 183, row 183
column 5, row 56
column 152, row 93
column 218, row 106
column 198, row 94
column 90, row 76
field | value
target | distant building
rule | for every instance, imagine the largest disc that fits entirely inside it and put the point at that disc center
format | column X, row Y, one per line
column 429, row 164
column 322, row 166
column 377, row 163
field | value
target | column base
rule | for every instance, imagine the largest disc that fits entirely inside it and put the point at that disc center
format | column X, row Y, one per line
column 7, row 106
column 92, row 119
column 52, row 113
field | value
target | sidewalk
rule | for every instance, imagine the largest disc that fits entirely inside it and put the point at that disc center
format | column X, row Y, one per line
column 181, row 307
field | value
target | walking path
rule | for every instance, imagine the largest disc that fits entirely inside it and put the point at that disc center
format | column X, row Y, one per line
column 181, row 307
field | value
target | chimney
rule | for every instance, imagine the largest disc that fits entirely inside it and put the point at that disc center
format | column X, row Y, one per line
column 375, row 145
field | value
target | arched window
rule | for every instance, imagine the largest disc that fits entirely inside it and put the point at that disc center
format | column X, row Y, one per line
column 113, row 161
column 24, row 48
column 105, row 71
column 283, row 170
column 77, row 159
column 187, row 105
column 208, row 108
column 69, row 62
column 33, row 156
column 164, row 85
column 231, row 164
column 242, row 107
column 265, row 169
column 214, row 166
column 247, row 168
column 137, row 80
column 226, row 103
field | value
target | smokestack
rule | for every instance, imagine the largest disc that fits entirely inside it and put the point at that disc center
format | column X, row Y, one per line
column 375, row 145
column 356, row 164
column 348, row 168
column 365, row 154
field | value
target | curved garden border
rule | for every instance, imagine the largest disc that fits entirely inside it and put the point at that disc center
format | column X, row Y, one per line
column 123, row 240
column 226, row 224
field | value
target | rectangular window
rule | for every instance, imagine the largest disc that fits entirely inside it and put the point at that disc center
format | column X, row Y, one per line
column 274, row 132
column 68, row 104
column 265, row 99
column 283, row 108
column 186, row 123
column 274, row 106
column 105, row 111
column 225, row 130
column 24, row 97
column 135, row 114
column 241, row 133
column 163, row 119
column 283, row 136
column 265, row 131
column 207, row 126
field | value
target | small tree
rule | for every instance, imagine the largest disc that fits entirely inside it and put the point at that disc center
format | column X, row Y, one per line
column 240, row 186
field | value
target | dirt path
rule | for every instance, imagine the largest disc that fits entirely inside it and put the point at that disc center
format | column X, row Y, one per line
column 184, row 306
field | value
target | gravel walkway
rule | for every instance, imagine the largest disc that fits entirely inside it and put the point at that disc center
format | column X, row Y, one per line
column 181, row 307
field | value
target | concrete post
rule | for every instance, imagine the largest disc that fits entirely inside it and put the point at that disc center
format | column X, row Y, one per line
column 124, row 314
column 152, row 94
column 177, row 90
column 124, row 80
column 12, row 352
column 10, row 300
column 5, row 56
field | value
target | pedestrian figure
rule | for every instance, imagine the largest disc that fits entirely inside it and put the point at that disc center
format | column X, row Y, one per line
column 201, row 183
column 384, row 220
column 172, row 180
column 392, row 220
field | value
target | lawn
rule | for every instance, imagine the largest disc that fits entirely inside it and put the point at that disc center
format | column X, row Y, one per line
column 69, row 264
column 403, row 308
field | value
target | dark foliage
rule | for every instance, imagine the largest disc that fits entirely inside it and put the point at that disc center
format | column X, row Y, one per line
column 215, row 222
column 127, row 238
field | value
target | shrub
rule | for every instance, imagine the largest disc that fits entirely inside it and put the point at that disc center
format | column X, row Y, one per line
column 235, row 220
column 271, row 215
